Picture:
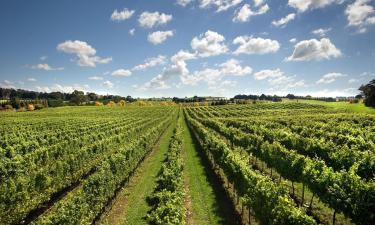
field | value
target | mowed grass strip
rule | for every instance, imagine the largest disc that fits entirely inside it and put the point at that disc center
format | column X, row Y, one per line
column 208, row 203
column 130, row 206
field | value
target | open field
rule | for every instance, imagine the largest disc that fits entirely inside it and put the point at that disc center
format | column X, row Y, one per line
column 304, row 162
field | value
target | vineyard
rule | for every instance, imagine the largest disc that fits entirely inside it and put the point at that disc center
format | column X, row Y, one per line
column 270, row 163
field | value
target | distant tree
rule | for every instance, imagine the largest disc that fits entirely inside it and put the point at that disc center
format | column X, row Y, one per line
column 92, row 96
column 56, row 95
column 78, row 97
column 368, row 91
column 15, row 101
column 291, row 96
column 262, row 97
column 358, row 96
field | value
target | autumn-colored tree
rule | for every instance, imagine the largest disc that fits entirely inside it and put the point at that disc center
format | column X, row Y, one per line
column 98, row 103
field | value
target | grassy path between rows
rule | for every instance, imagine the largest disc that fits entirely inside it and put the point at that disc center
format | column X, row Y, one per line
column 206, row 201
column 130, row 206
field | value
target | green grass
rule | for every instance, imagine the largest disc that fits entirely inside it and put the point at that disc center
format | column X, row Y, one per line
column 131, row 205
column 209, row 204
column 345, row 106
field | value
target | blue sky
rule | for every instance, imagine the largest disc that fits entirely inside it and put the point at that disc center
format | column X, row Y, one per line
column 148, row 48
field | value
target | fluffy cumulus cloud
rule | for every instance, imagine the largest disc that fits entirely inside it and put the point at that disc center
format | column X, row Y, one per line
column 265, row 74
column 121, row 73
column 159, row 37
column 182, row 56
column 220, row 5
column 279, row 80
column 209, row 44
column 303, row 5
column 63, row 88
column 360, row 14
column 251, row 45
column 244, row 13
column 132, row 32
column 151, row 62
column 293, row 40
column 122, row 15
column 160, row 81
column 329, row 78
column 86, row 53
column 178, row 68
column 321, row 31
column 95, row 78
column 108, row 84
column 258, row 2
column 284, row 21
column 232, row 67
column 212, row 76
column 184, row 2
column 46, row 67
column 314, row 49
column 153, row 19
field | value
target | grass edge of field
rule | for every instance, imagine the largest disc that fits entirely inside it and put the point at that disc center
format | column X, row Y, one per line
column 130, row 205
column 206, row 206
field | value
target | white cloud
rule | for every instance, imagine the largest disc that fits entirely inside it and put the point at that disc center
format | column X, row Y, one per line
column 321, row 31
column 250, row 45
column 160, row 81
column 212, row 76
column 62, row 88
column 284, row 21
column 245, row 12
column 358, row 15
column 122, row 15
column 182, row 56
column 159, row 37
column 303, row 5
column 153, row 19
column 121, row 73
column 265, row 74
column 95, row 78
column 233, row 67
column 329, row 78
column 370, row 20
column 314, row 50
column 7, row 84
column 258, row 2
column 278, row 80
column 46, row 67
column 353, row 80
column 293, row 40
column 132, row 32
column 220, row 5
column 31, row 79
column 86, row 53
column 151, row 62
column 108, row 84
column 209, row 44
column 43, row 58
column 184, row 2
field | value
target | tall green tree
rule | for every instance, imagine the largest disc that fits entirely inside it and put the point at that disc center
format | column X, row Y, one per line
column 78, row 97
column 368, row 91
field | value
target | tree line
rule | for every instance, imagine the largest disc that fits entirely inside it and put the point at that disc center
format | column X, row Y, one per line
column 18, row 98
